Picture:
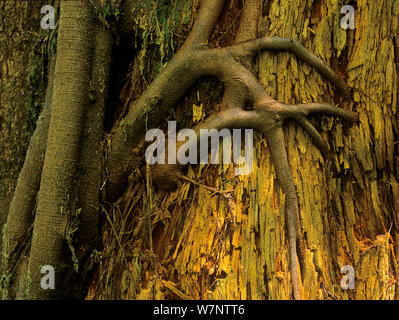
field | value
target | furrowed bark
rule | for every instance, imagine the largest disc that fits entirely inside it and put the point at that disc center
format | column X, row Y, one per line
column 248, row 29
column 268, row 119
column 71, row 86
column 241, row 86
column 22, row 208
column 20, row 93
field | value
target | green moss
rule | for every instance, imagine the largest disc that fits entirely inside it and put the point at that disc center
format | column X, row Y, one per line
column 157, row 24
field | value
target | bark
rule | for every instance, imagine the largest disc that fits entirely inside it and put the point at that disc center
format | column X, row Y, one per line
column 22, row 83
column 55, row 206
column 240, row 87
column 282, row 231
column 155, row 102
column 234, row 246
column 91, row 158
column 22, row 208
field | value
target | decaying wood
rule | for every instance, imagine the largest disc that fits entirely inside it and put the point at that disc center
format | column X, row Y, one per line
column 195, row 60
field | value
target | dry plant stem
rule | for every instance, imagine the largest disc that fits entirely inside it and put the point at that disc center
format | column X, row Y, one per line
column 195, row 60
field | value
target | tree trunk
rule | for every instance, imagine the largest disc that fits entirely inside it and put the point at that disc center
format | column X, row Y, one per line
column 56, row 206
column 22, row 207
column 22, row 85
column 195, row 243
column 306, row 212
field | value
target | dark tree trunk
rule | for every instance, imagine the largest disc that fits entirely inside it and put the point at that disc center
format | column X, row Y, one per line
column 56, row 205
